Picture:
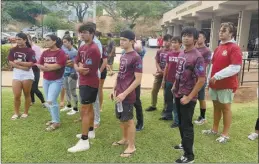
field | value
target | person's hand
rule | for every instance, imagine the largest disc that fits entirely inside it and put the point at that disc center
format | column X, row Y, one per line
column 70, row 63
column 80, row 65
column 185, row 100
column 83, row 71
column 112, row 95
column 16, row 62
column 173, row 87
column 212, row 80
column 120, row 98
column 163, row 84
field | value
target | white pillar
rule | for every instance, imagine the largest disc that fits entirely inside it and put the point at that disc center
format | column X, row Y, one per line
column 197, row 25
column 177, row 30
column 243, row 29
column 214, row 32
column 170, row 30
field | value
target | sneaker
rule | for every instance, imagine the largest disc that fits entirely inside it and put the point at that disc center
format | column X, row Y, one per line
column 184, row 159
column 43, row 105
column 178, row 147
column 200, row 121
column 91, row 135
column 209, row 132
column 81, row 145
column 72, row 112
column 222, row 139
column 253, row 136
column 139, row 127
column 174, row 125
column 65, row 109
column 149, row 109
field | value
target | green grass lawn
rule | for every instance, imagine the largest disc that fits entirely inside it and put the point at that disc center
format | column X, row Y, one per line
column 26, row 141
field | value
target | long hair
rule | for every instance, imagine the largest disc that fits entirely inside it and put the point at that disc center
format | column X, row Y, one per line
column 24, row 37
column 57, row 39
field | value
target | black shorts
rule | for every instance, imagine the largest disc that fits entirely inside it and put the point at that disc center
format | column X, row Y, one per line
column 104, row 74
column 201, row 93
column 126, row 114
column 87, row 94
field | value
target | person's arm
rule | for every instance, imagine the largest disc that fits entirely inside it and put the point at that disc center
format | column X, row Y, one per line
column 165, row 73
column 15, row 65
column 104, row 64
column 157, row 62
column 113, row 94
column 113, row 51
column 199, row 71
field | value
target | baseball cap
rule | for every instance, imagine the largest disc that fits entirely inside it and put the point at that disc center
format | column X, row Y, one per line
column 128, row 34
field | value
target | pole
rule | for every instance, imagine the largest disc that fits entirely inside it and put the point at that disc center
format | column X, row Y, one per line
column 41, row 21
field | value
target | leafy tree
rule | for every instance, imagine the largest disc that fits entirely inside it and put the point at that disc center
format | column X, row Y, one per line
column 24, row 10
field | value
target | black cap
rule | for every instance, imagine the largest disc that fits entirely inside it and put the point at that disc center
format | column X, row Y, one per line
column 128, row 34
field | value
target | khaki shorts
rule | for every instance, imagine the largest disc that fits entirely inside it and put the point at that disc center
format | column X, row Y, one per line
column 224, row 96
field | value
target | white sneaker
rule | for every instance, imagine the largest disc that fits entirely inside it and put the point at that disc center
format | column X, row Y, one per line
column 200, row 121
column 72, row 112
column 81, row 145
column 222, row 139
column 65, row 109
column 253, row 136
column 91, row 135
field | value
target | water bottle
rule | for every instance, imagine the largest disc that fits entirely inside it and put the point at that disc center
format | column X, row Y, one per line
column 119, row 107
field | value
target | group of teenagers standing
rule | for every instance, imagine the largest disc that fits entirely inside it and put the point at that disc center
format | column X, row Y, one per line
column 182, row 74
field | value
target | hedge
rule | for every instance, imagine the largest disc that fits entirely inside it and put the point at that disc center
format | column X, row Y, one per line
column 105, row 40
column 5, row 52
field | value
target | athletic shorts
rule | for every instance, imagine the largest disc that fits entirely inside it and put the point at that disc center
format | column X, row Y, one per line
column 110, row 60
column 224, row 96
column 88, row 94
column 126, row 114
column 201, row 93
column 104, row 74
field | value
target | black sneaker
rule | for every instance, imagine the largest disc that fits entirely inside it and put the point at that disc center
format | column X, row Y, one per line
column 149, row 109
column 165, row 118
column 139, row 127
column 174, row 125
column 178, row 147
column 184, row 159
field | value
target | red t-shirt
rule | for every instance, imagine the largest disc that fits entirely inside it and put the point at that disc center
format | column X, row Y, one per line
column 54, row 57
column 22, row 54
column 161, row 57
column 90, row 57
column 225, row 55
column 129, row 64
column 172, row 59
column 160, row 42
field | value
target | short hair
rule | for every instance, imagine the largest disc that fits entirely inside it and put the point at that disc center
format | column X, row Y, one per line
column 190, row 31
column 69, row 39
column 203, row 33
column 167, row 37
column 177, row 39
column 87, row 27
column 231, row 27
column 67, row 32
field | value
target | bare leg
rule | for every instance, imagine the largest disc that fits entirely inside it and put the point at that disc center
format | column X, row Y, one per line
column 227, row 118
column 62, row 97
column 217, row 115
column 101, row 93
column 17, row 91
column 27, row 84
column 87, row 118
column 131, row 138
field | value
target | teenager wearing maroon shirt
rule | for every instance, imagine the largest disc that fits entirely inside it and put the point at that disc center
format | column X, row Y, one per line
column 226, row 61
column 189, row 79
column 52, row 62
column 169, row 79
column 206, row 53
column 129, row 78
column 21, row 58
column 160, row 59
column 87, row 64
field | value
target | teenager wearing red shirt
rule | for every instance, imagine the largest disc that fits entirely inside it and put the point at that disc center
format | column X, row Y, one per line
column 226, row 61
column 87, row 64
column 160, row 42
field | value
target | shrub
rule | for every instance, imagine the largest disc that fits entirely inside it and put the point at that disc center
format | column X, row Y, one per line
column 5, row 52
column 104, row 41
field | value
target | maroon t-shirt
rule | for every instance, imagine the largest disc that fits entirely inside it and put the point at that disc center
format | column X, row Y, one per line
column 161, row 57
column 189, row 68
column 54, row 57
column 206, row 53
column 172, row 59
column 129, row 64
column 22, row 54
column 90, row 57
